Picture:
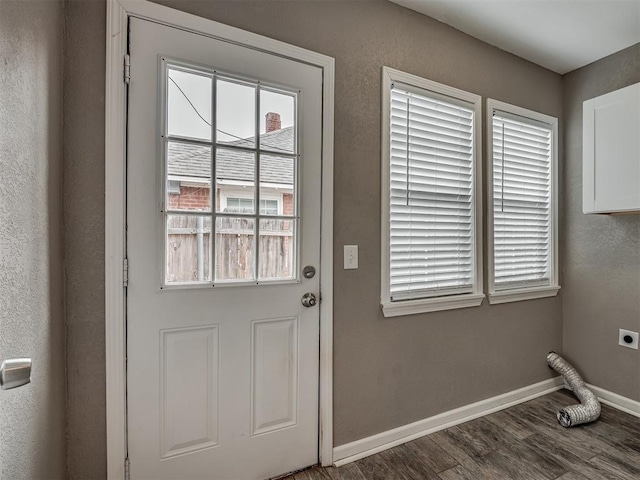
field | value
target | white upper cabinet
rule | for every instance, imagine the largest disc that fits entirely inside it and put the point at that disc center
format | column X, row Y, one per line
column 611, row 152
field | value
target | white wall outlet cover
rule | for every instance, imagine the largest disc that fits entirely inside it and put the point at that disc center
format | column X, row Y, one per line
column 350, row 257
column 628, row 338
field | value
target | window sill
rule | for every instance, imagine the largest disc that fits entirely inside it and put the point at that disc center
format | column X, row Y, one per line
column 425, row 305
column 517, row 295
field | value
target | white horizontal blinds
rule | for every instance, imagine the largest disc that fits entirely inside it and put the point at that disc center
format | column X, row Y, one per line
column 431, row 211
column 521, row 202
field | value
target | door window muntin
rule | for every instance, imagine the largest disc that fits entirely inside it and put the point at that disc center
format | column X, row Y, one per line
column 168, row 182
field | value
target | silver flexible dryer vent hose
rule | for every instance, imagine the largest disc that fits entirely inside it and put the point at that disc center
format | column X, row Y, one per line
column 589, row 408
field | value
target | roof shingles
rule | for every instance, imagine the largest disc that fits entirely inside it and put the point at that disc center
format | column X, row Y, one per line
column 194, row 161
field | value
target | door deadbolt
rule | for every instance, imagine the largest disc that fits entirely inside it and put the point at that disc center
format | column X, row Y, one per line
column 309, row 300
column 308, row 272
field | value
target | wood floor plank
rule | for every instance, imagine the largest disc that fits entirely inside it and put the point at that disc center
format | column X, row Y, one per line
column 500, row 465
column 515, row 426
column 626, row 455
column 314, row 473
column 599, row 437
column 564, row 437
column 413, row 464
column 573, row 476
column 564, row 396
column 448, row 443
column 606, row 432
column 381, row 467
column 539, row 414
column 471, row 444
column 546, row 466
column 457, row 473
column 432, row 454
column 621, row 420
column 616, row 466
column 561, row 451
column 350, row 471
column 551, row 403
column 480, row 436
column 633, row 443
column 303, row 475
column 537, row 420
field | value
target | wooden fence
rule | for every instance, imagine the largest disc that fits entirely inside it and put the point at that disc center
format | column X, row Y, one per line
column 188, row 249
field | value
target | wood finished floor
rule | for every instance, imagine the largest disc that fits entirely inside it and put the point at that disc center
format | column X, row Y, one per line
column 524, row 442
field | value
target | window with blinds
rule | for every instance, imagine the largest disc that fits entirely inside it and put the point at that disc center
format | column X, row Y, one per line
column 431, row 182
column 522, row 201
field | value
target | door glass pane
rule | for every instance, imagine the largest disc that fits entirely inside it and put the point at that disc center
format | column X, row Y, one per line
column 188, row 177
column 277, row 112
column 188, row 249
column 189, row 104
column 191, row 185
column 277, row 249
column 277, row 178
column 235, row 247
column 235, row 180
column 235, row 113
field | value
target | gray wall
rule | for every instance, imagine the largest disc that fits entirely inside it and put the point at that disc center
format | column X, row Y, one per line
column 388, row 372
column 32, row 418
column 84, row 73
column 601, row 261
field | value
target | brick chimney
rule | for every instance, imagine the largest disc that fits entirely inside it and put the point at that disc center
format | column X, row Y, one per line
column 273, row 122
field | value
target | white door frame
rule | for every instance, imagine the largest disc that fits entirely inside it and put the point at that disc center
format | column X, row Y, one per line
column 118, row 13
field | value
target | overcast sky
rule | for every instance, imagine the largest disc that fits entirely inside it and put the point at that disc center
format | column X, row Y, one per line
column 235, row 105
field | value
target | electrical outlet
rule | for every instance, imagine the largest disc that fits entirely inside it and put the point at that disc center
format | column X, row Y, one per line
column 629, row 339
column 350, row 257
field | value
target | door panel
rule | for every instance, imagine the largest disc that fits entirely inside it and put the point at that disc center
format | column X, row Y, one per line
column 189, row 362
column 223, row 211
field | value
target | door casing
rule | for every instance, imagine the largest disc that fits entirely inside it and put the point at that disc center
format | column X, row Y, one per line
column 118, row 14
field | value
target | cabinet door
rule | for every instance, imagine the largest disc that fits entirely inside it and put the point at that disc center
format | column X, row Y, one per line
column 611, row 152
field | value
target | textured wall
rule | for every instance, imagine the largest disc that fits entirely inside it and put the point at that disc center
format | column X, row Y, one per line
column 388, row 372
column 32, row 419
column 601, row 261
column 84, row 74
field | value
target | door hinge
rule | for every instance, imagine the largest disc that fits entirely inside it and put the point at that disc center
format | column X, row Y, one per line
column 127, row 69
column 127, row 469
column 125, row 272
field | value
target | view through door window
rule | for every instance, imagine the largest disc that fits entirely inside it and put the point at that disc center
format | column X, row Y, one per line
column 236, row 138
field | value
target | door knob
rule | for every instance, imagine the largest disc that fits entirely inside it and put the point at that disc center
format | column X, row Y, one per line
column 15, row 373
column 309, row 300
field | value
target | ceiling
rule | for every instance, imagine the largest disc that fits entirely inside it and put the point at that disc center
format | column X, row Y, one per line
column 561, row 35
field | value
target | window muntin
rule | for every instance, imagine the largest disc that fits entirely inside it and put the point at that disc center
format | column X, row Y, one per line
column 431, row 247
column 201, row 105
column 523, row 243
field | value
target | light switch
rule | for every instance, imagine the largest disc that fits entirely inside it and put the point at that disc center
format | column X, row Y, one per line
column 350, row 257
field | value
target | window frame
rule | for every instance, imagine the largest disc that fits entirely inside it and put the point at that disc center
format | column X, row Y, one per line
column 167, row 63
column 434, row 303
column 516, row 294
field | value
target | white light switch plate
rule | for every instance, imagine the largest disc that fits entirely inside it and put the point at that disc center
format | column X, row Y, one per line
column 350, row 257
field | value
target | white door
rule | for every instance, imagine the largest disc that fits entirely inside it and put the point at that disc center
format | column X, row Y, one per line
column 223, row 214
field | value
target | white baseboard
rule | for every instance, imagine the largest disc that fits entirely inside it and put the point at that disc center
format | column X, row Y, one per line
column 364, row 447
column 614, row 400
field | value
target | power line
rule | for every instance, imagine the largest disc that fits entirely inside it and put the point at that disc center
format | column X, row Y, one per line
column 187, row 99
column 208, row 123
